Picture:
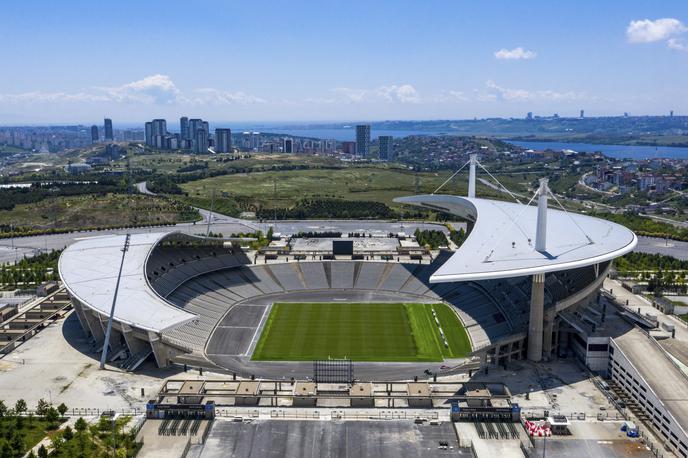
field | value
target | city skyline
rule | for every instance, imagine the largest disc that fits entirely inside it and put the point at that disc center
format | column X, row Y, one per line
column 342, row 62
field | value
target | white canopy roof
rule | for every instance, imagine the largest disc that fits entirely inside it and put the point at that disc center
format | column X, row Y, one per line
column 89, row 270
column 499, row 245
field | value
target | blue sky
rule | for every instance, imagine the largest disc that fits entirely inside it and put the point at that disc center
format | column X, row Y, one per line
column 74, row 61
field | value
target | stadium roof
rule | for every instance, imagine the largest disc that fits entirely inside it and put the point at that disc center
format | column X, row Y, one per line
column 89, row 270
column 502, row 242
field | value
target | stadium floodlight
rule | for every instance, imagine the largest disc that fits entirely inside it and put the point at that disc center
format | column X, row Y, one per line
column 106, row 343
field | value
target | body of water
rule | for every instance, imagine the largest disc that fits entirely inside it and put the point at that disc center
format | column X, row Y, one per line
column 342, row 135
column 616, row 151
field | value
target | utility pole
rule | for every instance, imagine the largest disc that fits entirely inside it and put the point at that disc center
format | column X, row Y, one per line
column 106, row 343
column 274, row 203
column 210, row 215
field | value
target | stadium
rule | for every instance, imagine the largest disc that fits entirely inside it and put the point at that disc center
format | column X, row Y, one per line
column 510, row 291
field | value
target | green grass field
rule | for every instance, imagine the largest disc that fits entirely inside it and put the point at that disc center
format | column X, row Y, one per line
column 361, row 332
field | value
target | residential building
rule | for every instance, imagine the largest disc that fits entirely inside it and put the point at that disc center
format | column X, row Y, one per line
column 148, row 134
column 223, row 140
column 108, row 130
column 201, row 141
column 386, row 147
column 184, row 127
column 288, row 146
column 363, row 140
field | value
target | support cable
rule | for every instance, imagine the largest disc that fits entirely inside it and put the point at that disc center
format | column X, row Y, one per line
column 448, row 179
column 569, row 215
column 513, row 222
column 500, row 184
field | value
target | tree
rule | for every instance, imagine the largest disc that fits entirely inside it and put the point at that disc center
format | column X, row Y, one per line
column 17, row 443
column 52, row 415
column 3, row 409
column 20, row 407
column 62, row 408
column 68, row 434
column 80, row 425
column 42, row 452
column 42, row 407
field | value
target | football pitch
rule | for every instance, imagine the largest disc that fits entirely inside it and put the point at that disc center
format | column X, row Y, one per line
column 382, row 332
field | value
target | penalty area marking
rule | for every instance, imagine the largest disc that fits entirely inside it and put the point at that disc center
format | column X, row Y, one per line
column 259, row 328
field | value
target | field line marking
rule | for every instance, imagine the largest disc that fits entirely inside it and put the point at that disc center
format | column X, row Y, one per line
column 254, row 342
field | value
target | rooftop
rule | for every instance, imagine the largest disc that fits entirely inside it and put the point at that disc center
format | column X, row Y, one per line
column 502, row 241
column 89, row 270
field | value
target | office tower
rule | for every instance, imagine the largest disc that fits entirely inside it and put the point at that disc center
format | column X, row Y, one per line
column 582, row 114
column 362, row 140
column 223, row 140
column 108, row 129
column 184, row 127
column 386, row 151
column 288, row 145
column 94, row 134
column 201, row 141
column 205, row 127
column 149, row 133
column 671, row 114
column 529, row 116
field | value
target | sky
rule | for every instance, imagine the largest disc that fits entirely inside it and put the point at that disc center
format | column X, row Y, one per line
column 303, row 61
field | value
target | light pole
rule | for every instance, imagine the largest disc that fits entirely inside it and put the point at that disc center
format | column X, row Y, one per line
column 106, row 343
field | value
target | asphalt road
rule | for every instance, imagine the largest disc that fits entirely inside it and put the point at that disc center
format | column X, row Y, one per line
column 313, row 439
column 666, row 247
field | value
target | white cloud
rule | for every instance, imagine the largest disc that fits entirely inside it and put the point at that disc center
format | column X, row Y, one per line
column 219, row 97
column 158, row 89
column 51, row 97
column 351, row 95
column 496, row 92
column 515, row 54
column 151, row 90
column 677, row 44
column 402, row 93
column 649, row 31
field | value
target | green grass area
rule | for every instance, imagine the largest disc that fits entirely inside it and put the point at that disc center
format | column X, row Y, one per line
column 76, row 212
column 361, row 332
column 379, row 183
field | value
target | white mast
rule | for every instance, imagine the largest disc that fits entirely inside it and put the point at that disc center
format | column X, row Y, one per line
column 471, row 175
column 541, row 234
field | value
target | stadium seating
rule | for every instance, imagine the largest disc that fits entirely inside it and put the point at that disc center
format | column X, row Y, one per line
column 208, row 281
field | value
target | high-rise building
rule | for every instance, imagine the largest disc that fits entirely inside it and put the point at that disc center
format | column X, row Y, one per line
column 582, row 114
column 149, row 133
column 201, row 141
column 184, row 127
column 386, row 147
column 194, row 125
column 671, row 114
column 288, row 146
column 529, row 116
column 223, row 140
column 94, row 134
column 108, row 129
column 363, row 140
column 159, row 127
